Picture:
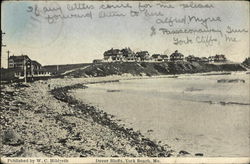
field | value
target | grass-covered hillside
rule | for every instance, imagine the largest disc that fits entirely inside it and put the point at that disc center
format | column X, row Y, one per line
column 133, row 68
column 150, row 69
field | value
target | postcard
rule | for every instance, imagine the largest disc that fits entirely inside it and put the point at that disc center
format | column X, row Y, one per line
column 125, row 82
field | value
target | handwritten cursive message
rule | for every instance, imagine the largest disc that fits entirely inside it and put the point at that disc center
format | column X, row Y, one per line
column 183, row 23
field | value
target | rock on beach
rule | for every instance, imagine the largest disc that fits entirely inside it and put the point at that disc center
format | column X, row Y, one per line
column 37, row 120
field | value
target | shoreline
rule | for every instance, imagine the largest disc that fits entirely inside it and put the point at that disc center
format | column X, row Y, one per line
column 84, row 130
column 40, row 119
column 134, row 69
column 113, row 109
column 143, row 145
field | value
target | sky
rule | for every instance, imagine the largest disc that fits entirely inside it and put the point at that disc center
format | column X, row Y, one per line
column 80, row 40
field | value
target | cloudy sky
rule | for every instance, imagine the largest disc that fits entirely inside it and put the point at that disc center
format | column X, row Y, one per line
column 78, row 40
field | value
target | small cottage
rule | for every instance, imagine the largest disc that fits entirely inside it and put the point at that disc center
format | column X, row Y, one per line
column 211, row 59
column 204, row 60
column 156, row 57
column 220, row 58
column 164, row 57
column 190, row 58
column 142, row 55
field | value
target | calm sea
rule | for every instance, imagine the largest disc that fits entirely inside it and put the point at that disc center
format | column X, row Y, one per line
column 194, row 113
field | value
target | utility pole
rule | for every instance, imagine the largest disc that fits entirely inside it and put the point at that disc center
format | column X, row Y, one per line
column 25, row 70
column 32, row 69
column 8, row 53
column 2, row 45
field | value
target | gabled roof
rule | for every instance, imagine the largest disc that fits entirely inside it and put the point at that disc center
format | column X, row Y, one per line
column 128, row 50
column 190, row 56
column 156, row 55
column 142, row 52
column 176, row 53
column 164, row 56
column 112, row 52
column 19, row 58
column 223, row 56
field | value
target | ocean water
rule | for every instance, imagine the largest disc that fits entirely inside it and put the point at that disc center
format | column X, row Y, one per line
column 194, row 113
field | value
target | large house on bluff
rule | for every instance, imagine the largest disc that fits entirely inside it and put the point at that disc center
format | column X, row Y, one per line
column 127, row 55
column 176, row 56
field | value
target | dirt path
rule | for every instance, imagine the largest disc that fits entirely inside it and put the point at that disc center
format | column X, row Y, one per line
column 77, row 69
